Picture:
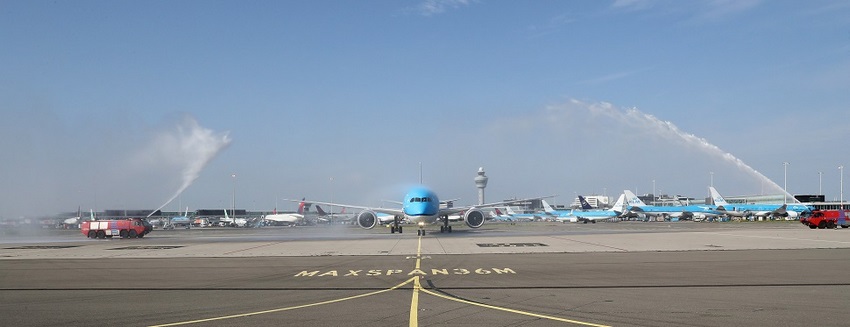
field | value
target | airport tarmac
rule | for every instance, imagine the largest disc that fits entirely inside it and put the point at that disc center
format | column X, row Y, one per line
column 529, row 274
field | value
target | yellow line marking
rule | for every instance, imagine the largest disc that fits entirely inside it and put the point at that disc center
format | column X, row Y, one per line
column 412, row 279
column 419, row 253
column 414, row 303
column 514, row 311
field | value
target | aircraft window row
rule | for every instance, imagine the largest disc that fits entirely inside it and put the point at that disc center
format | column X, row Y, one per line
column 420, row 199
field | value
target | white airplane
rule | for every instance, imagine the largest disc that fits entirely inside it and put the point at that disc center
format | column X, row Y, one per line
column 420, row 206
column 78, row 219
column 235, row 222
column 286, row 218
column 524, row 216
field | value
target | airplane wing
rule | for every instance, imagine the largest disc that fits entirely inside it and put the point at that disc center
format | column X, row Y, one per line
column 395, row 212
column 454, row 210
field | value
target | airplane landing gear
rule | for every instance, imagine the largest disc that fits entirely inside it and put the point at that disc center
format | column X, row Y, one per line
column 445, row 228
column 395, row 227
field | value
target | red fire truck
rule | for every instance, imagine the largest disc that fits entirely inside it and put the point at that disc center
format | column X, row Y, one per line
column 124, row 228
column 826, row 219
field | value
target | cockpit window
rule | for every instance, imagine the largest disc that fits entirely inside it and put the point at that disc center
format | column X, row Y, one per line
column 420, row 199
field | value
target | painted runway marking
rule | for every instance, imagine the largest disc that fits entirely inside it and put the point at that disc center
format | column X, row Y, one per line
column 536, row 315
column 413, row 319
column 241, row 315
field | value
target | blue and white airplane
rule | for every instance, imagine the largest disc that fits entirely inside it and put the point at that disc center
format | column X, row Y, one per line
column 587, row 213
column 636, row 206
column 758, row 210
column 420, row 206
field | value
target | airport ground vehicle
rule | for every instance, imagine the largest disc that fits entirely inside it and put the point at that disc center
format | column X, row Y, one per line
column 826, row 219
column 124, row 228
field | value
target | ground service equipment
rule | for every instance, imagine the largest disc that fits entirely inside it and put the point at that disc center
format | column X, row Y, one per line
column 124, row 228
column 826, row 219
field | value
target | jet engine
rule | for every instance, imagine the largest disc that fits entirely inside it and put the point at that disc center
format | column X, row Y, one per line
column 474, row 218
column 367, row 219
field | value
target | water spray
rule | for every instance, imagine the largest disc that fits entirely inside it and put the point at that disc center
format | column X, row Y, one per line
column 639, row 120
column 195, row 147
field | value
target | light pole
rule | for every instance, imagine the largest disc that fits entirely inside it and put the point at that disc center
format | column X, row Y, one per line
column 841, row 194
column 820, row 183
column 785, row 187
column 233, row 201
column 654, row 197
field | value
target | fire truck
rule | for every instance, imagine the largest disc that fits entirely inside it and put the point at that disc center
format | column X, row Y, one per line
column 826, row 219
column 123, row 228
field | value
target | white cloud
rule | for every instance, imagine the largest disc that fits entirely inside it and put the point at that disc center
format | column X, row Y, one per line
column 697, row 11
column 436, row 7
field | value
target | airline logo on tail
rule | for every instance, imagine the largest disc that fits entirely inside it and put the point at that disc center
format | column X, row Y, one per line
column 584, row 204
column 303, row 206
column 633, row 200
column 718, row 199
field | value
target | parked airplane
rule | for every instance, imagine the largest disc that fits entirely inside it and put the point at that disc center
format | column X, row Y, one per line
column 78, row 219
column 587, row 213
column 636, row 206
column 179, row 220
column 289, row 219
column 234, row 222
column 758, row 210
column 420, row 206
column 524, row 216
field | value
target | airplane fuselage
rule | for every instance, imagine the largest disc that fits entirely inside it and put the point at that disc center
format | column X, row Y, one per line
column 421, row 205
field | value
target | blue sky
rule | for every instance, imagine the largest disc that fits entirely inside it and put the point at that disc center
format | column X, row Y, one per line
column 341, row 100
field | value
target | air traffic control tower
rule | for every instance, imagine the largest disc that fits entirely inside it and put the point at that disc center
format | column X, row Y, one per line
column 481, row 183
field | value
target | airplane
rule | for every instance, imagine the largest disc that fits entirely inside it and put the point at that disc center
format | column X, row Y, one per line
column 234, row 222
column 420, row 206
column 636, row 206
column 758, row 210
column 497, row 214
column 289, row 219
column 78, row 219
column 523, row 216
column 179, row 220
column 586, row 214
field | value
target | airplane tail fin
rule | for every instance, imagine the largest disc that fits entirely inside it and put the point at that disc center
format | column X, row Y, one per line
column 633, row 200
column 620, row 205
column 584, row 204
column 91, row 214
column 225, row 214
column 546, row 207
column 321, row 211
column 718, row 199
column 498, row 212
column 187, row 212
column 509, row 210
column 301, row 206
